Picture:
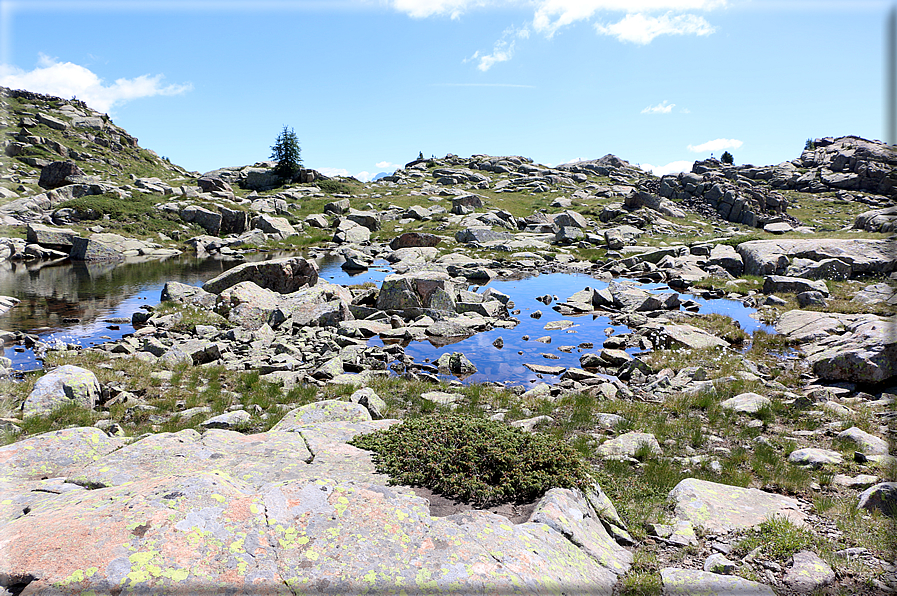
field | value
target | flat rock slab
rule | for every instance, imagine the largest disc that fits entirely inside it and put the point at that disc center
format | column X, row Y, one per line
column 54, row 453
column 746, row 403
column 720, row 508
column 691, row 337
column 628, row 444
column 545, row 369
column 687, row 582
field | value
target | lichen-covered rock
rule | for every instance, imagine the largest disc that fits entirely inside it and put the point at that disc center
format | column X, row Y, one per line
column 628, row 444
column 881, row 497
column 808, row 573
column 687, row 582
column 247, row 304
column 746, row 403
column 719, row 508
column 295, row 509
column 865, row 442
column 53, row 454
column 63, row 385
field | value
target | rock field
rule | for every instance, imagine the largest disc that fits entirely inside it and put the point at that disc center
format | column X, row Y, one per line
column 208, row 450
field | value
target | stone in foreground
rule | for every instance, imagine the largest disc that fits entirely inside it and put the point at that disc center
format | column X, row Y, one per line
column 719, row 508
column 293, row 510
column 687, row 582
column 808, row 573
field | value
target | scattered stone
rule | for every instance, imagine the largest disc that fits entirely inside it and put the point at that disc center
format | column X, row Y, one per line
column 881, row 497
column 61, row 386
column 687, row 582
column 815, row 457
column 746, row 403
column 808, row 573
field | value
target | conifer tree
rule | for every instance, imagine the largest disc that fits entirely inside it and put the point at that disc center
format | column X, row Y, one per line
column 287, row 153
column 727, row 158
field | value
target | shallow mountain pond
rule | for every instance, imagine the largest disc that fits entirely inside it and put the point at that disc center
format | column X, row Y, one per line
column 88, row 304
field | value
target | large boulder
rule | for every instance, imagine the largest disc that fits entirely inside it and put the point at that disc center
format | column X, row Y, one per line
column 99, row 247
column 368, row 219
column 414, row 239
column 284, row 275
column 720, row 508
column 865, row 353
column 772, row 257
column 56, row 174
column 275, row 226
column 879, row 220
column 783, row 283
column 422, row 289
column 247, row 304
column 480, row 235
column 64, row 385
column 208, row 220
column 50, row 237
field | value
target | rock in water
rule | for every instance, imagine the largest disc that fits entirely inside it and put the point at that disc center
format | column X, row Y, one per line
column 280, row 275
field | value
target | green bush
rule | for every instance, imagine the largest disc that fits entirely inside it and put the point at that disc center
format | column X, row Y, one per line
column 727, row 158
column 474, row 460
column 334, row 187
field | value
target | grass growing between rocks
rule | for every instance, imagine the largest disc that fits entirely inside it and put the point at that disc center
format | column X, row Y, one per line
column 779, row 539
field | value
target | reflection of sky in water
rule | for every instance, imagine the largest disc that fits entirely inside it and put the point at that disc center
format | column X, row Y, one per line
column 507, row 366
column 134, row 295
column 493, row 364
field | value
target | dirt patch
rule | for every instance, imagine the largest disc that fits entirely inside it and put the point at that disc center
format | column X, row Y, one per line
column 441, row 506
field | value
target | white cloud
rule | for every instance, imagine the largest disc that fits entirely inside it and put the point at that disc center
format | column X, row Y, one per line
column 641, row 29
column 716, row 145
column 661, row 108
column 364, row 176
column 426, row 8
column 575, row 160
column 386, row 164
column 502, row 50
column 685, row 111
column 551, row 15
column 65, row 79
column 674, row 167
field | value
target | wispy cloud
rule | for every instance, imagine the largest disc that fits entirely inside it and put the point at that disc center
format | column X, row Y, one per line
column 426, row 8
column 363, row 176
column 552, row 15
column 641, row 29
column 502, row 50
column 685, row 111
column 674, row 167
column 65, row 79
column 716, row 145
column 512, row 85
column 383, row 165
column 661, row 108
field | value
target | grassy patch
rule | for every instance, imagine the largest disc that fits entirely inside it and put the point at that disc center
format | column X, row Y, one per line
column 778, row 538
column 721, row 326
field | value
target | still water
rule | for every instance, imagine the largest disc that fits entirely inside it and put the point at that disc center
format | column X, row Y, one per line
column 87, row 304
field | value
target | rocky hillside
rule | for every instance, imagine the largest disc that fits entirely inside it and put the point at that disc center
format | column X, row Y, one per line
column 213, row 443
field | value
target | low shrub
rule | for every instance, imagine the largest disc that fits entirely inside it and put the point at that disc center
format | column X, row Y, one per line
column 474, row 460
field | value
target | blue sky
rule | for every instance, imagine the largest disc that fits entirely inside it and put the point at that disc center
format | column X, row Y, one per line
column 367, row 84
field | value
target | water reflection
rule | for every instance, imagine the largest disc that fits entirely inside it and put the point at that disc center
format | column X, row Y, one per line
column 78, row 303
column 73, row 301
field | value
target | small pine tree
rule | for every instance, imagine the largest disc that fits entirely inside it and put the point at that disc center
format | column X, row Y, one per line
column 287, row 153
column 809, row 145
column 727, row 158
